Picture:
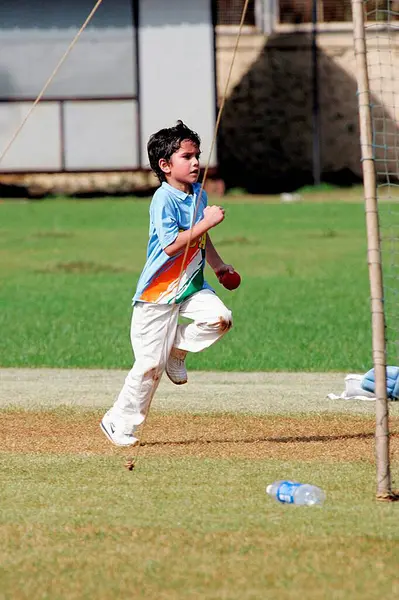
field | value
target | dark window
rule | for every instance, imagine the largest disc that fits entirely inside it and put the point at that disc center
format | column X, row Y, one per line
column 328, row 11
column 229, row 12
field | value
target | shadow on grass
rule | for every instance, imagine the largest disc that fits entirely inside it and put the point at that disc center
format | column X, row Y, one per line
column 275, row 440
column 83, row 268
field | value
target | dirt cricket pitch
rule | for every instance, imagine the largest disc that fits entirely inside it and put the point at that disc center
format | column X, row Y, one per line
column 255, row 415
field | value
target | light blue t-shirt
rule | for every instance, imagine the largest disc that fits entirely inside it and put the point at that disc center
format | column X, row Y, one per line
column 172, row 211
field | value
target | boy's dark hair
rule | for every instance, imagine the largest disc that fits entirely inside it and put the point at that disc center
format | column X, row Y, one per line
column 166, row 142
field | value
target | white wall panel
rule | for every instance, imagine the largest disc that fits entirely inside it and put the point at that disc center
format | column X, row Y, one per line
column 38, row 146
column 176, row 57
column 100, row 135
column 34, row 35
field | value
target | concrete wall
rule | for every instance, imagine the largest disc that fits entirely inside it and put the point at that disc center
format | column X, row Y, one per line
column 177, row 71
column 265, row 141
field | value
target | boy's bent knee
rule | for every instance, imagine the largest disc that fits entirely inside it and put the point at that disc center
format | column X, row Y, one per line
column 222, row 323
column 226, row 321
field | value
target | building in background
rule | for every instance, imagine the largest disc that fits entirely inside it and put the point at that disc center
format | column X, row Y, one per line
column 292, row 108
column 143, row 64
column 136, row 68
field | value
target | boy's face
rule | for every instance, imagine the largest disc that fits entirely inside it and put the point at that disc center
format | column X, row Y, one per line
column 183, row 166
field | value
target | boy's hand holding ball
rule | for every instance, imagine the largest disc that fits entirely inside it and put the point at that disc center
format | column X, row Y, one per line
column 229, row 278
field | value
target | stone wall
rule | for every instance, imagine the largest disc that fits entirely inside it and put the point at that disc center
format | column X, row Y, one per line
column 117, row 183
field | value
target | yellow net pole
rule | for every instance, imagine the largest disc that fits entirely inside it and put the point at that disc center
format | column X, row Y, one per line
column 383, row 473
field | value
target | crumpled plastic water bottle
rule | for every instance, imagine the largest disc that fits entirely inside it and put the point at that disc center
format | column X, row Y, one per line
column 291, row 492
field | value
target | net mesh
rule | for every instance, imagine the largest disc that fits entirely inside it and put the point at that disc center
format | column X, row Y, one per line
column 328, row 11
column 382, row 41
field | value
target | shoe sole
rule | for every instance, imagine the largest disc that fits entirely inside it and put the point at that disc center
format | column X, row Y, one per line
column 113, row 441
column 176, row 382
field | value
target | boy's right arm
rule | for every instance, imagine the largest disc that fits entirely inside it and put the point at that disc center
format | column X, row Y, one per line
column 213, row 215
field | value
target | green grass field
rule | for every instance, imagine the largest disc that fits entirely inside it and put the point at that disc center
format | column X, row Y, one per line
column 191, row 522
column 68, row 270
column 82, row 528
column 193, row 519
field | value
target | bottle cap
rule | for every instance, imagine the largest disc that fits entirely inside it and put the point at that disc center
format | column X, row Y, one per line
column 268, row 489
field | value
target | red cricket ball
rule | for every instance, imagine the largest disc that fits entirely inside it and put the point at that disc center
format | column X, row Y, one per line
column 230, row 281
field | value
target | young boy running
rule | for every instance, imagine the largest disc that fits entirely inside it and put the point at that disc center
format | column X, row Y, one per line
column 159, row 342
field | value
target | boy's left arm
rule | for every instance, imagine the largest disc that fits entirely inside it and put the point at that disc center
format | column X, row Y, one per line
column 214, row 260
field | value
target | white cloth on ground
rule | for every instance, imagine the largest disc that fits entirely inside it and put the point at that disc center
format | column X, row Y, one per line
column 353, row 390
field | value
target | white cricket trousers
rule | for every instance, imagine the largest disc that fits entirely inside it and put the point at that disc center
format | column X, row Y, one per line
column 154, row 332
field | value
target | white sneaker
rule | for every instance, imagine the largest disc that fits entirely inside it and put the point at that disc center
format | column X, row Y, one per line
column 114, row 435
column 175, row 367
